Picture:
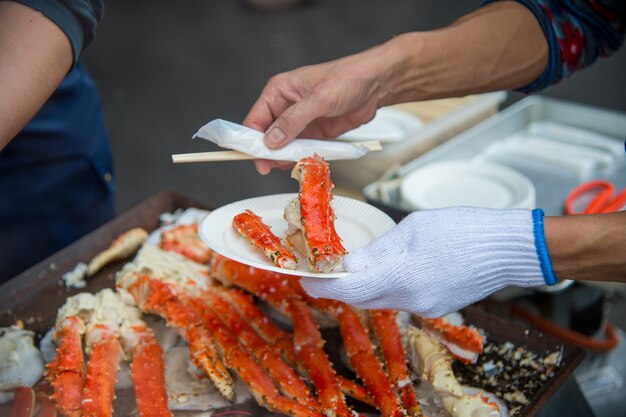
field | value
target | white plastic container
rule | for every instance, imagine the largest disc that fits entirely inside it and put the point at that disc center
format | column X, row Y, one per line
column 354, row 175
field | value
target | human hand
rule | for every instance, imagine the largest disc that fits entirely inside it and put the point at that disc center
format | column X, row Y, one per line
column 319, row 101
column 435, row 262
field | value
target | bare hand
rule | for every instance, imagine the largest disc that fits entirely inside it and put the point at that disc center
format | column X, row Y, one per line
column 319, row 101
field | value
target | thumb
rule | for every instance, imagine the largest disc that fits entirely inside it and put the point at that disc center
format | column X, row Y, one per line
column 355, row 289
column 334, row 288
column 293, row 121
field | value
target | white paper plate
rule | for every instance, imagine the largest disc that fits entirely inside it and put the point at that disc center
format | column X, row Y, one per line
column 357, row 224
column 467, row 183
column 389, row 125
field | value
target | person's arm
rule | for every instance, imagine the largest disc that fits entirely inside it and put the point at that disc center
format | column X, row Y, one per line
column 578, row 32
column 36, row 55
column 588, row 247
column 39, row 42
column 438, row 261
column 498, row 46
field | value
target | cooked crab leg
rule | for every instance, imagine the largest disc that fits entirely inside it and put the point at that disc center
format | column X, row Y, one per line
column 309, row 349
column 155, row 297
column 260, row 384
column 102, row 317
column 281, row 339
column 311, row 218
column 434, row 364
column 362, row 357
column 250, row 226
column 23, row 402
column 66, row 373
column 268, row 356
column 463, row 342
column 46, row 406
column 280, row 292
column 104, row 357
column 272, row 287
column 184, row 239
column 353, row 390
column 388, row 334
column 170, row 299
column 271, row 333
column 105, row 353
column 147, row 369
column 238, row 299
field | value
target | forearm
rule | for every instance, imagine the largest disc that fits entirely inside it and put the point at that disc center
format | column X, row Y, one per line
column 588, row 247
column 499, row 46
column 36, row 55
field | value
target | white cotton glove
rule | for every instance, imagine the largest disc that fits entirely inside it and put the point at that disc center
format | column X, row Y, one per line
column 437, row 261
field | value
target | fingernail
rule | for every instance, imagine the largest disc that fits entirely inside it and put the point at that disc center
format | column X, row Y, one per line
column 275, row 137
column 264, row 170
column 262, row 167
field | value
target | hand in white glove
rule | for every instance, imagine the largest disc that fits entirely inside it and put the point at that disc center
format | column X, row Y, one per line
column 437, row 261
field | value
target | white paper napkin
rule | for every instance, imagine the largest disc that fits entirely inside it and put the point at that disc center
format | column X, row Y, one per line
column 249, row 141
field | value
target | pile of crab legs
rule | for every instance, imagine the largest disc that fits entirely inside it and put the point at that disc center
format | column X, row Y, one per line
column 213, row 308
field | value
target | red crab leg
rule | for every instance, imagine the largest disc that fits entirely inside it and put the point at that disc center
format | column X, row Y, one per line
column 258, row 320
column 184, row 239
column 237, row 358
column 23, row 402
column 318, row 219
column 101, row 373
column 463, row 342
column 309, row 349
column 281, row 339
column 250, row 226
column 151, row 295
column 362, row 357
column 354, row 390
column 388, row 334
column 66, row 373
column 46, row 406
column 266, row 285
column 147, row 371
column 268, row 356
column 284, row 294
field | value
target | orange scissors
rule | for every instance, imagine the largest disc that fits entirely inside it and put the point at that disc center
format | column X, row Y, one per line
column 603, row 199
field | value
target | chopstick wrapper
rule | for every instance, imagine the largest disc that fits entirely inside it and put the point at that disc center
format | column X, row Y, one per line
column 249, row 141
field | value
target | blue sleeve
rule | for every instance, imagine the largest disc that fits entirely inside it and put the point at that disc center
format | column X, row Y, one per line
column 578, row 33
column 78, row 19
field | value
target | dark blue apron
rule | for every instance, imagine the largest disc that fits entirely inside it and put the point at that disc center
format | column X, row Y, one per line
column 56, row 177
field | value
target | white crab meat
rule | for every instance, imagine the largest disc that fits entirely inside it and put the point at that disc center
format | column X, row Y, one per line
column 170, row 266
column 433, row 363
column 21, row 363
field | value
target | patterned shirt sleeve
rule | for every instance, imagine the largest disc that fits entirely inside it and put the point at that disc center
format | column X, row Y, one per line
column 78, row 19
column 578, row 33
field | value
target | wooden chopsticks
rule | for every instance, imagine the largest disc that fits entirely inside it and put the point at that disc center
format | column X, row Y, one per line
column 185, row 158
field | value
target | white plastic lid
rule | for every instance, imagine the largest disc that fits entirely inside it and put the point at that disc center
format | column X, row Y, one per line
column 467, row 183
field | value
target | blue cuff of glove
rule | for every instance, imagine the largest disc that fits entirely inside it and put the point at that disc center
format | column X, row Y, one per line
column 542, row 248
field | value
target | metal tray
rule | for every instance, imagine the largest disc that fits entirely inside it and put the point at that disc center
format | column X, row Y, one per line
column 552, row 181
column 35, row 296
